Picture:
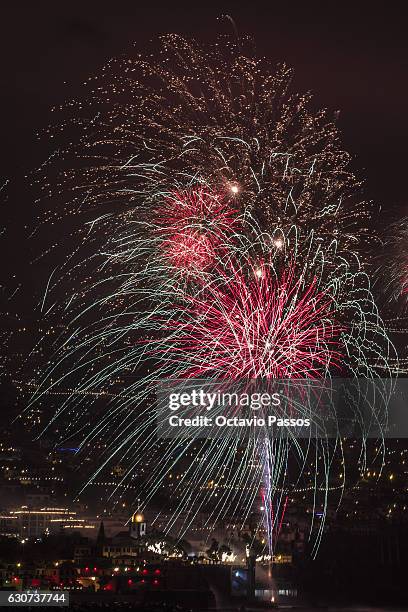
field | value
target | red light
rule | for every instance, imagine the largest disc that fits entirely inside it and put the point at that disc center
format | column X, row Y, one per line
column 95, row 569
column 15, row 579
column 129, row 581
column 145, row 572
column 157, row 571
column 87, row 569
column 156, row 582
column 143, row 581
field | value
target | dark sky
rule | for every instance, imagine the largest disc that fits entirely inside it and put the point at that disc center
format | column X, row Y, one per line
column 352, row 55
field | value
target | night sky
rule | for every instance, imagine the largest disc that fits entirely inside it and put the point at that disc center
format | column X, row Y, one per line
column 352, row 55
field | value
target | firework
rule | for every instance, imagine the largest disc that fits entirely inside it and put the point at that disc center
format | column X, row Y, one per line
column 233, row 247
column 192, row 225
column 188, row 251
column 249, row 324
column 393, row 265
column 196, row 209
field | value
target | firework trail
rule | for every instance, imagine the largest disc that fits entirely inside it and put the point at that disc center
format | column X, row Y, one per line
column 393, row 266
column 225, row 238
column 391, row 283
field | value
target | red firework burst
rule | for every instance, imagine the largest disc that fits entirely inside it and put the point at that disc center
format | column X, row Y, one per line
column 255, row 325
column 189, row 251
column 193, row 224
column 198, row 208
